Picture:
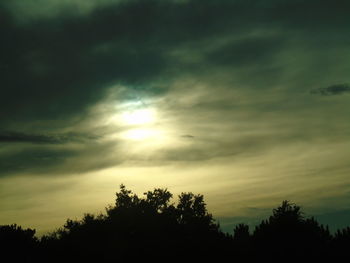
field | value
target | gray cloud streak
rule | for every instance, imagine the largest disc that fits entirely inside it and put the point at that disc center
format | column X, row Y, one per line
column 18, row 137
column 336, row 89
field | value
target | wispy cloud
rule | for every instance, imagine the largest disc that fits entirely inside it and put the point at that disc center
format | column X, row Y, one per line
column 187, row 136
column 336, row 89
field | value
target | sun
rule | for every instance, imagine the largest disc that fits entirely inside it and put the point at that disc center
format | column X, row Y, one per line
column 139, row 116
column 141, row 134
column 140, row 124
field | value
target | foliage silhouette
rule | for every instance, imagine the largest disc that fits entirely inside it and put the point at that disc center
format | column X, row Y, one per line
column 154, row 228
column 288, row 232
column 17, row 244
column 136, row 227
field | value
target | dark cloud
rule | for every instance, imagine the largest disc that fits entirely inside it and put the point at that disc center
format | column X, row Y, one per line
column 337, row 89
column 55, row 67
column 37, row 160
column 43, row 159
column 17, row 137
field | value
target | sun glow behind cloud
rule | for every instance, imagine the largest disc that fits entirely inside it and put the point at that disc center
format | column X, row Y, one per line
column 141, row 134
column 139, row 122
column 139, row 116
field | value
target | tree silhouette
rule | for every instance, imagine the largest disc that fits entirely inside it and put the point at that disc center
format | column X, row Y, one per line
column 152, row 227
column 241, row 245
column 288, row 232
column 17, row 244
column 241, row 234
column 149, row 225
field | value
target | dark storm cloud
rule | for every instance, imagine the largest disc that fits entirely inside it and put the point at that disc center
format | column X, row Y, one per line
column 46, row 159
column 55, row 67
column 36, row 160
column 17, row 137
column 337, row 89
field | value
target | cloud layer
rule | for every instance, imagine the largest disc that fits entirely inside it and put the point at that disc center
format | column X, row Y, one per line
column 231, row 76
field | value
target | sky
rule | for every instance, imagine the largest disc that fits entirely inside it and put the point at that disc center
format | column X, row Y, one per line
column 243, row 101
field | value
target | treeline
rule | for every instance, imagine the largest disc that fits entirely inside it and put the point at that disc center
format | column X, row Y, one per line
column 152, row 228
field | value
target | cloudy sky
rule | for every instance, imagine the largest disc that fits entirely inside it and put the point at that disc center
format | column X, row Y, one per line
column 246, row 102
